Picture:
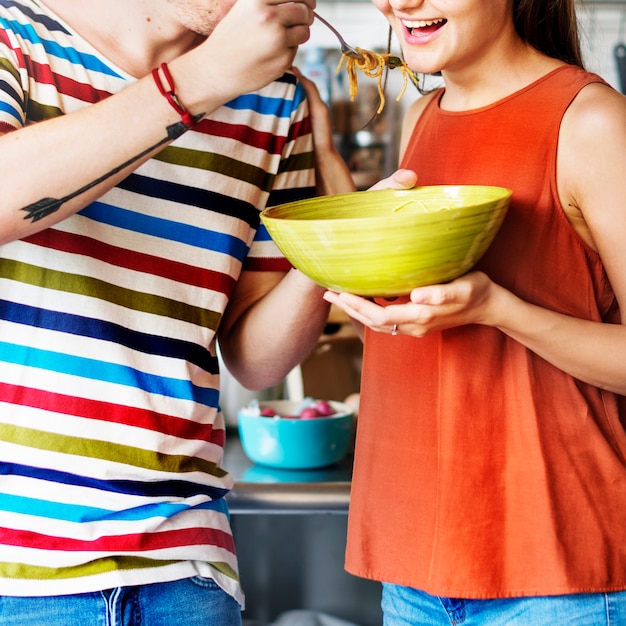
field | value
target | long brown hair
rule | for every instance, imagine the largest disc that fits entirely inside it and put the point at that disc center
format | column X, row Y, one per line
column 549, row 26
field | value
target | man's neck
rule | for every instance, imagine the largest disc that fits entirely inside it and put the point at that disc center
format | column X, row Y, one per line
column 137, row 36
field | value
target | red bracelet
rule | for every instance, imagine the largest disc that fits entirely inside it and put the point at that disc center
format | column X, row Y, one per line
column 170, row 95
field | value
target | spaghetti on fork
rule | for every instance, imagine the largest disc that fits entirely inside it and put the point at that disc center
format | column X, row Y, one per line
column 373, row 65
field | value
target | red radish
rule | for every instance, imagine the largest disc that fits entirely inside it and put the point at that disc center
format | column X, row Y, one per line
column 324, row 408
column 309, row 413
column 307, row 410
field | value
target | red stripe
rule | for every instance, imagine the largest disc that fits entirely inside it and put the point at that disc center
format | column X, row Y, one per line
column 246, row 135
column 265, row 264
column 110, row 412
column 66, row 86
column 5, row 40
column 303, row 127
column 138, row 542
column 133, row 260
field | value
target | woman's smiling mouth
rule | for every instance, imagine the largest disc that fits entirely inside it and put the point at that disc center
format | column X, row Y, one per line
column 423, row 27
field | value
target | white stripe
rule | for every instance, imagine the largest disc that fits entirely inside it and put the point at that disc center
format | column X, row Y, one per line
column 109, row 432
column 77, row 304
column 73, row 558
column 92, row 531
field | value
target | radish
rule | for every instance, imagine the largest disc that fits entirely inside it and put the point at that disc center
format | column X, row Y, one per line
column 324, row 408
column 309, row 413
column 306, row 410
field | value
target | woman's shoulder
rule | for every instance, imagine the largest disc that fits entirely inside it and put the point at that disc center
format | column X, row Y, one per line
column 592, row 152
column 595, row 117
column 597, row 99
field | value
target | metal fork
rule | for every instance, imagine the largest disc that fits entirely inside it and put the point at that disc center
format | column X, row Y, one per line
column 346, row 49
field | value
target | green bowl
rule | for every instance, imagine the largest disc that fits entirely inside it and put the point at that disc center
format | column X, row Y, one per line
column 385, row 243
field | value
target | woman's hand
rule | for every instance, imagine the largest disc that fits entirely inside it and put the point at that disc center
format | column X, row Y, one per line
column 400, row 179
column 466, row 300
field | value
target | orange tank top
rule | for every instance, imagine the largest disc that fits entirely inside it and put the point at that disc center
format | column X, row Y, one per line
column 482, row 470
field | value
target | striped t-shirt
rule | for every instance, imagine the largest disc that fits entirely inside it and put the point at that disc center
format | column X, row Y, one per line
column 111, row 437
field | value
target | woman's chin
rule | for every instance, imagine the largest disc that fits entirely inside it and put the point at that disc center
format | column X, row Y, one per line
column 419, row 65
column 426, row 70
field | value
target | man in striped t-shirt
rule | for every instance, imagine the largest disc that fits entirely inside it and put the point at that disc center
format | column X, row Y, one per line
column 129, row 220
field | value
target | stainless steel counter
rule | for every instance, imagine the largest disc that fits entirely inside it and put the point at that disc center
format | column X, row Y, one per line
column 291, row 552
column 265, row 490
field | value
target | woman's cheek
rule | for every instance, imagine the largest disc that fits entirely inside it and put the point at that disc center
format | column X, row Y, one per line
column 382, row 6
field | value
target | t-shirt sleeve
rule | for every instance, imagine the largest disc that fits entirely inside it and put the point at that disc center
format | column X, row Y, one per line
column 295, row 180
column 12, row 93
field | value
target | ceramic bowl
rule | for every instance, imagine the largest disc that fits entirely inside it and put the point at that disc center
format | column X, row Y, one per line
column 385, row 243
column 295, row 443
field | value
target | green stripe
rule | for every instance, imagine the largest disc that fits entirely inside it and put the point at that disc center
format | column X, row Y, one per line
column 224, row 568
column 38, row 112
column 95, row 288
column 93, row 568
column 11, row 69
column 213, row 162
column 233, row 167
column 104, row 450
column 297, row 162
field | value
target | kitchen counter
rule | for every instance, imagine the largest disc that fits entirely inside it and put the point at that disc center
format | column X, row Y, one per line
column 265, row 490
column 291, row 551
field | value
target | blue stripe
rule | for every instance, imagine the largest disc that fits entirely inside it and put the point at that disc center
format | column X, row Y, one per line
column 278, row 107
column 164, row 488
column 192, row 196
column 44, row 20
column 11, row 92
column 300, row 95
column 108, row 331
column 83, row 514
column 165, row 229
column 89, row 61
column 262, row 234
column 107, row 372
column 5, row 107
column 282, row 196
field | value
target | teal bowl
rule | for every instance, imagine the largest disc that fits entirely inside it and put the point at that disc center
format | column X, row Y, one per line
column 295, row 443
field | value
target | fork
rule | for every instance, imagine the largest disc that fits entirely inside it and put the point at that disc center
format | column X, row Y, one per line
column 346, row 49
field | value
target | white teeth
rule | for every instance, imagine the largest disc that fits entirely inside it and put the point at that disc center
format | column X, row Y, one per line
column 423, row 23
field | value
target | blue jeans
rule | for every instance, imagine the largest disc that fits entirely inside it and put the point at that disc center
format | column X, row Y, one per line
column 192, row 601
column 403, row 606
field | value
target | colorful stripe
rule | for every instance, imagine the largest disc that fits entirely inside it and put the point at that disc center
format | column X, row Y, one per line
column 111, row 436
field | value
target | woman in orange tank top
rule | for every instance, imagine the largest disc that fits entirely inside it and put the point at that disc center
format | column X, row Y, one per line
column 490, row 467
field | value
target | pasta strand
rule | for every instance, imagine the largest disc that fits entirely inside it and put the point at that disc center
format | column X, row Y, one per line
column 373, row 64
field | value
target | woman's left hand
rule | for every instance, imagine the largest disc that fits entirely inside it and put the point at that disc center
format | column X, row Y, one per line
column 465, row 300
